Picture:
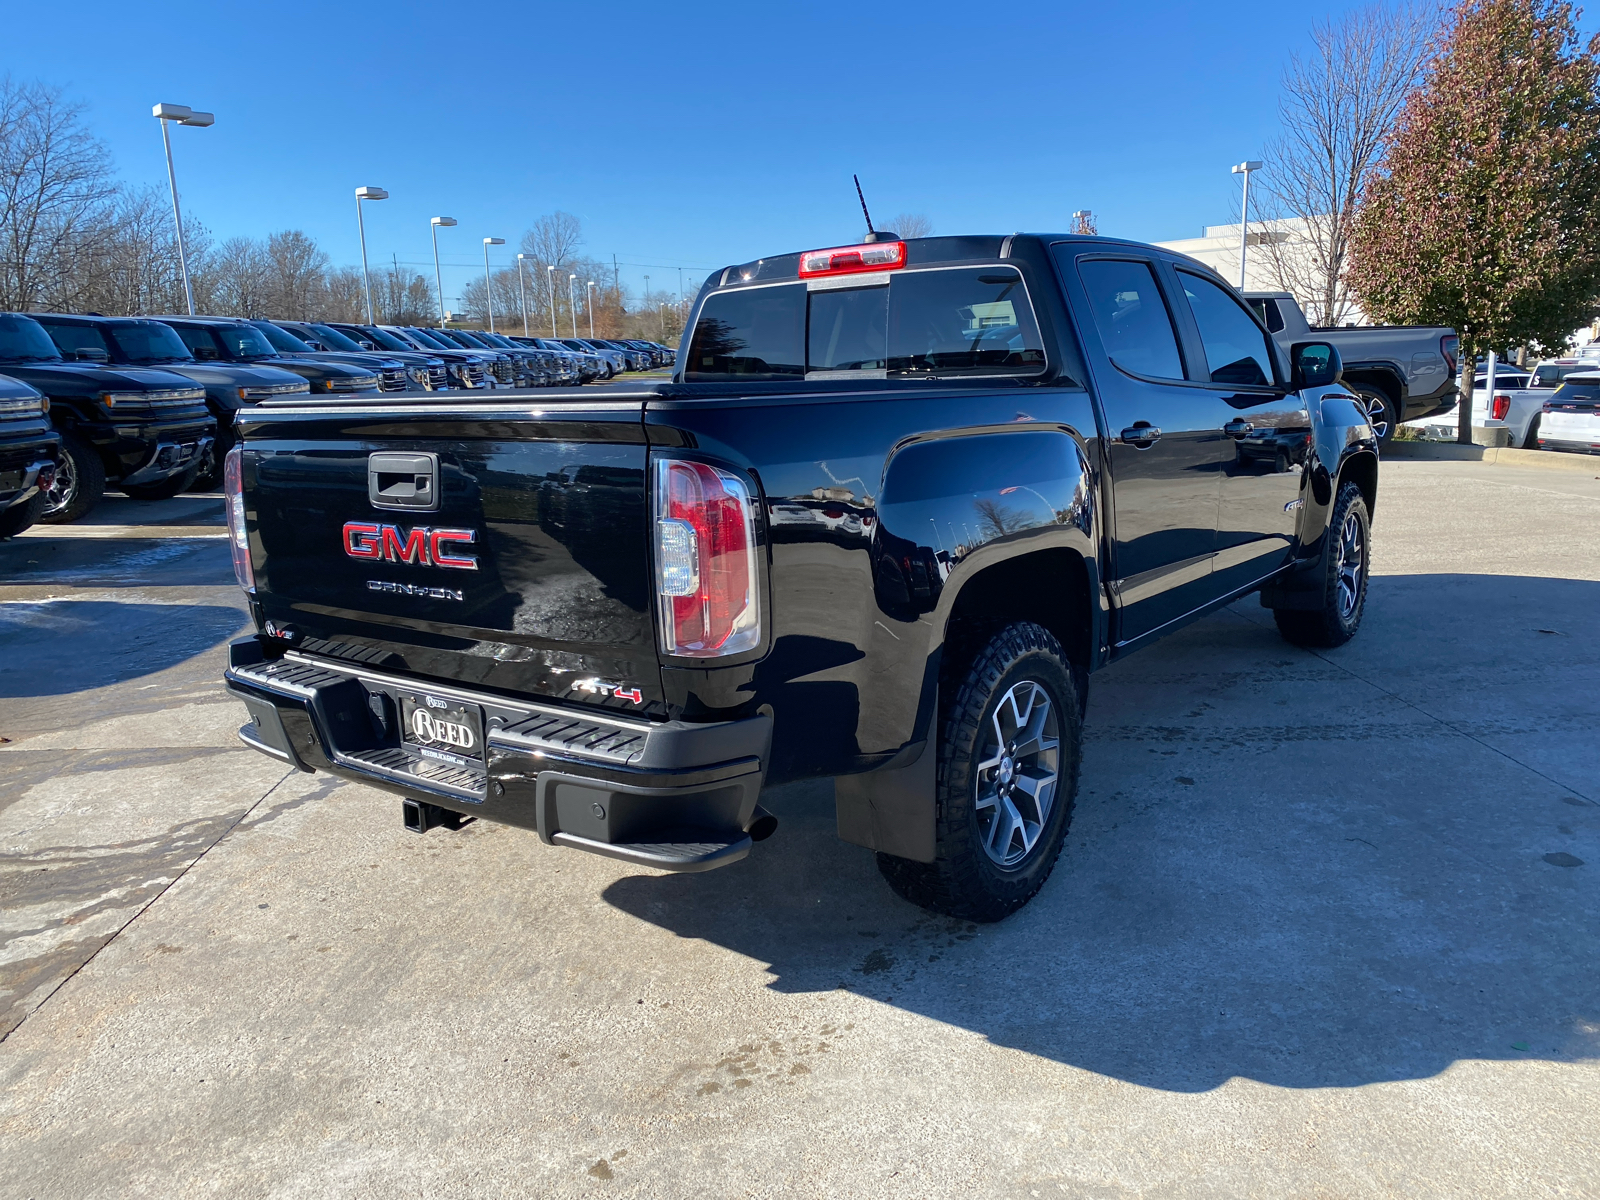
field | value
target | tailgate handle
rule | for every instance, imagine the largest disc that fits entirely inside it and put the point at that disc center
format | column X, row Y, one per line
column 404, row 481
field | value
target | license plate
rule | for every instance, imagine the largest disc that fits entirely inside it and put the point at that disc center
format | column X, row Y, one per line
column 443, row 730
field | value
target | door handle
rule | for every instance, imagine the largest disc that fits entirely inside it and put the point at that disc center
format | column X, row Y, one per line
column 1237, row 428
column 1142, row 436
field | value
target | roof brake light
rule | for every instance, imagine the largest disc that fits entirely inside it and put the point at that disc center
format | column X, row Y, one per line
column 852, row 260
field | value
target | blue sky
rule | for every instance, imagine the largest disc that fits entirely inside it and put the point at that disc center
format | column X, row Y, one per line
column 685, row 135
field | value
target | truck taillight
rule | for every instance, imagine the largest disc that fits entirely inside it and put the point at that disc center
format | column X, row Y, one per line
column 852, row 260
column 238, row 535
column 1450, row 347
column 706, row 580
column 1499, row 407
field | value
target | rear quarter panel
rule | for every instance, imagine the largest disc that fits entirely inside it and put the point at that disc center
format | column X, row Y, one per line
column 880, row 508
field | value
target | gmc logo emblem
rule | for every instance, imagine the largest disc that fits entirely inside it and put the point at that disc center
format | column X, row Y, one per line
column 420, row 545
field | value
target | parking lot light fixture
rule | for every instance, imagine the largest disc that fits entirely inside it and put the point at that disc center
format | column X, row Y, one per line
column 553, row 331
column 522, row 290
column 572, row 299
column 434, row 225
column 488, row 290
column 366, row 193
column 183, row 115
column 1244, row 169
column 589, row 304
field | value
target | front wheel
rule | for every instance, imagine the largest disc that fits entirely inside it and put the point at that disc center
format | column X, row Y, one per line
column 80, row 480
column 22, row 516
column 1346, row 562
column 1009, row 747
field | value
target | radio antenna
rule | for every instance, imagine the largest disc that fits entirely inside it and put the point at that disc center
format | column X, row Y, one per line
column 864, row 212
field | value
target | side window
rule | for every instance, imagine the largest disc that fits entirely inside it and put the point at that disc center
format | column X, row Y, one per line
column 1132, row 317
column 1236, row 349
column 1269, row 313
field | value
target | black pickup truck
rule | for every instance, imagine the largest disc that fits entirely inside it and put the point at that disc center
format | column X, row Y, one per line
column 897, row 503
column 141, row 428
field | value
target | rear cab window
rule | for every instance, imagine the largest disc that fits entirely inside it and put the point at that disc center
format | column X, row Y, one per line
column 921, row 323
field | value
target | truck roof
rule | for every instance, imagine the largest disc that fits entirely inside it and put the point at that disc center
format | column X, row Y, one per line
column 923, row 251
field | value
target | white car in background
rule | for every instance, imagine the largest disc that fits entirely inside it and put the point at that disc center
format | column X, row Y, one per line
column 1570, row 419
column 1508, row 381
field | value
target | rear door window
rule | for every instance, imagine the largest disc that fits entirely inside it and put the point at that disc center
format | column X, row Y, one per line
column 1132, row 316
column 1236, row 348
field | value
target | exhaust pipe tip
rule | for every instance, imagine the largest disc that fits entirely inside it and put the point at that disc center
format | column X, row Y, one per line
column 762, row 825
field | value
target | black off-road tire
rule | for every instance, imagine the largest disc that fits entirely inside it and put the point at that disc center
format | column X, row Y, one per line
column 209, row 477
column 964, row 880
column 174, row 485
column 22, row 516
column 1344, row 581
column 80, row 482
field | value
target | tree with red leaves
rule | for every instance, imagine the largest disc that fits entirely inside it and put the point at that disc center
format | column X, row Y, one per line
column 1485, row 212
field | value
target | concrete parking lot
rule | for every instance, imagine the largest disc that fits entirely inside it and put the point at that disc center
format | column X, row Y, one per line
column 1327, row 925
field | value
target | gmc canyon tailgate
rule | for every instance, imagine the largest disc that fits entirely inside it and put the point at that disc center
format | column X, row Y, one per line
column 500, row 545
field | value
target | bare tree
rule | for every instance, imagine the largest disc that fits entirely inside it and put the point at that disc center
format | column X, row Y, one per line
column 55, row 189
column 343, row 296
column 296, row 275
column 239, row 279
column 1339, row 103
column 911, row 225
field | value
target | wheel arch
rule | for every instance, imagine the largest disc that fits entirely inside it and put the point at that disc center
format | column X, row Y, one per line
column 1361, row 469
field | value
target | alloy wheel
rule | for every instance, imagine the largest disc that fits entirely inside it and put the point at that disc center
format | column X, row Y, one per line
column 1377, row 413
column 1018, row 774
column 1352, row 565
column 63, row 488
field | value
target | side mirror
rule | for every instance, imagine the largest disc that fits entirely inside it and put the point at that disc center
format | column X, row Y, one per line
column 206, row 353
column 89, row 354
column 1315, row 364
column 365, row 345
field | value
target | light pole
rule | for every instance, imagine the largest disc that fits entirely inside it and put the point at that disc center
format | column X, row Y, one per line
column 522, row 290
column 183, row 115
column 553, row 331
column 366, row 193
column 1244, row 169
column 572, row 299
column 663, row 320
column 434, row 225
column 488, row 292
column 589, row 304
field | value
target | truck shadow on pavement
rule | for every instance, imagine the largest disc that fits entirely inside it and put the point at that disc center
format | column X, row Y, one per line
column 57, row 647
column 1366, row 888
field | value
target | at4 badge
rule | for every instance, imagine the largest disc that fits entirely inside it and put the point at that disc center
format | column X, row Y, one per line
column 596, row 687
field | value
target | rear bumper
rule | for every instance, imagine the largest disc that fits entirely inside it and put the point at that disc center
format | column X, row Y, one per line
column 674, row 796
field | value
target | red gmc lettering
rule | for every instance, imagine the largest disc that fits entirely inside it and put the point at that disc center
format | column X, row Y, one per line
column 442, row 537
column 418, row 545
column 413, row 550
column 361, row 541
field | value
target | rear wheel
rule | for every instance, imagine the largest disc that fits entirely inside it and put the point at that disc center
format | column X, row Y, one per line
column 80, row 480
column 1380, row 410
column 1530, row 440
column 1346, row 561
column 1009, row 749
